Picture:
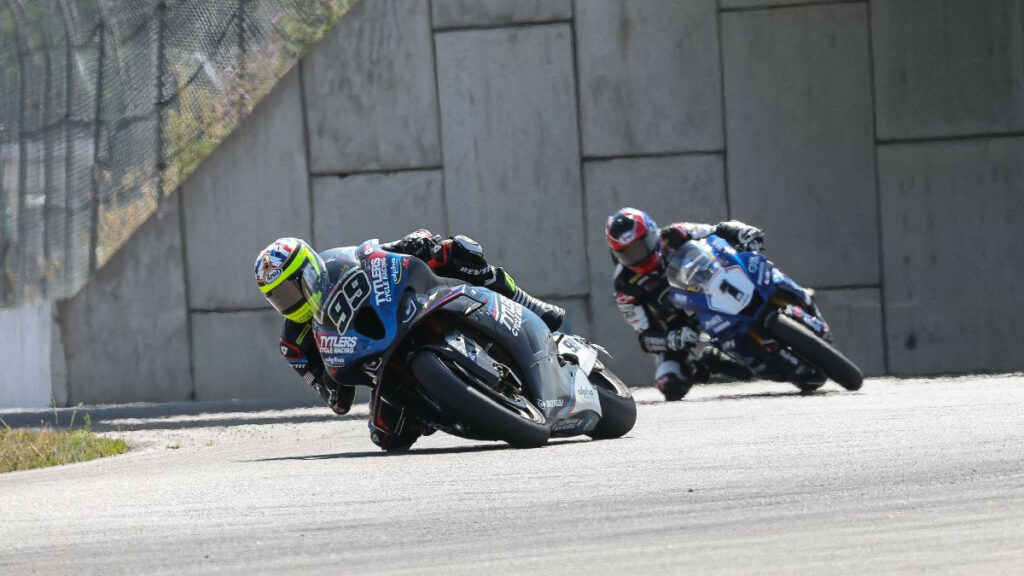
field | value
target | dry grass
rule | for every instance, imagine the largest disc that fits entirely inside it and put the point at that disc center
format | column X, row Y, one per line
column 22, row 449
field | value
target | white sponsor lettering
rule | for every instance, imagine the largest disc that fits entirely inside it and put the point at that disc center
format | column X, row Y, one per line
column 333, row 344
column 381, row 286
column 557, row 403
column 511, row 316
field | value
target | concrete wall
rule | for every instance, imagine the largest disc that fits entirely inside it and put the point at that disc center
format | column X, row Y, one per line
column 32, row 358
column 879, row 144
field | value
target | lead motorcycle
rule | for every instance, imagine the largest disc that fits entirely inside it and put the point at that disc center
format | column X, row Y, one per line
column 757, row 315
column 467, row 360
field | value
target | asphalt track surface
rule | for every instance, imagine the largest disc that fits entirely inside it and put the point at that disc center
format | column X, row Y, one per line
column 912, row 476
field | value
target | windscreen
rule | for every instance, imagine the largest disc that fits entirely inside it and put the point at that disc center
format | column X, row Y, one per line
column 692, row 266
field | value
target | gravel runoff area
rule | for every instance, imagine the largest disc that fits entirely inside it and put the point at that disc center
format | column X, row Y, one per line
column 905, row 476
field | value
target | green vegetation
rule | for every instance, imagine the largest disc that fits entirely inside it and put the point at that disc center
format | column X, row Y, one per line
column 26, row 449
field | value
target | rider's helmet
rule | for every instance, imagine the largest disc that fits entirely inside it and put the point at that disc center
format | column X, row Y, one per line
column 289, row 273
column 634, row 239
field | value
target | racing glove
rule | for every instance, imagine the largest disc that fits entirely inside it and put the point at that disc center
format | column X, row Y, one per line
column 743, row 236
column 661, row 341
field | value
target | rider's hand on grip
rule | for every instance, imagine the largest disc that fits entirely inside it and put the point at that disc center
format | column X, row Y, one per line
column 681, row 338
column 751, row 238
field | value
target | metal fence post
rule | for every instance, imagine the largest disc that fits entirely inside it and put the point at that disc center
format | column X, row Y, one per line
column 161, row 164
column 23, row 51
column 68, row 149
column 94, row 196
column 45, row 21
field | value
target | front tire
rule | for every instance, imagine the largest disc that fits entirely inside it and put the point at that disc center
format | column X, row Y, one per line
column 819, row 353
column 618, row 409
column 484, row 416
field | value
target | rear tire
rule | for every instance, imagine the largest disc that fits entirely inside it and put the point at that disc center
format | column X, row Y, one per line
column 819, row 353
column 485, row 417
column 618, row 409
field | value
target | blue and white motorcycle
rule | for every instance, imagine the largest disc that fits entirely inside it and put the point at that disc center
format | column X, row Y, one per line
column 470, row 362
column 758, row 316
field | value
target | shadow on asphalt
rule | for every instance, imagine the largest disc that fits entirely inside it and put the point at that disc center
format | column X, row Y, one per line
column 163, row 416
column 728, row 397
column 492, row 447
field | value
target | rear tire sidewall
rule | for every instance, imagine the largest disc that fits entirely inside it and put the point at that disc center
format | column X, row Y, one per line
column 485, row 417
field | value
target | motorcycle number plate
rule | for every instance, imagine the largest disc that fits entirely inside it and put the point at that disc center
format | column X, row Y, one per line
column 730, row 290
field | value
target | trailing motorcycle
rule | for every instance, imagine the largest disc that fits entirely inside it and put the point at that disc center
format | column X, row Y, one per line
column 469, row 361
column 757, row 315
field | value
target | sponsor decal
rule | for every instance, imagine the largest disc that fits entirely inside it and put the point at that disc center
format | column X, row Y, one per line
column 284, row 351
column 586, row 392
column 335, row 360
column 473, row 272
column 715, row 324
column 510, row 315
column 379, row 279
column 566, row 424
column 336, row 344
column 272, row 275
column 556, row 403
column 396, row 270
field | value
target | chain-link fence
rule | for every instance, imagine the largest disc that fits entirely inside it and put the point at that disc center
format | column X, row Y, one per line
column 106, row 105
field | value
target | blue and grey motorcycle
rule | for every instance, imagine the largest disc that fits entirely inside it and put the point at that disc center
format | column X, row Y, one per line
column 758, row 316
column 471, row 362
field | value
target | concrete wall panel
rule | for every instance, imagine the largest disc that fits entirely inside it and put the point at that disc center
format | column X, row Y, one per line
column 125, row 333
column 236, row 356
column 948, row 68
column 370, row 90
column 649, row 76
column 464, row 13
column 250, row 192
column 511, row 153
column 671, row 189
column 26, row 353
column 385, row 206
column 951, row 217
column 856, row 319
column 801, row 154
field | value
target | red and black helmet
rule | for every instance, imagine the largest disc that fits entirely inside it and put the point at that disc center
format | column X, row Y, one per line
column 634, row 239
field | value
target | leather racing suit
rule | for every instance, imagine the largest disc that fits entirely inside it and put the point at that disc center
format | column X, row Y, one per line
column 458, row 257
column 679, row 363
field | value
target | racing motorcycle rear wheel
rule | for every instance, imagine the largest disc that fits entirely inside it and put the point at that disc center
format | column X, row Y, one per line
column 488, row 414
column 618, row 409
column 819, row 353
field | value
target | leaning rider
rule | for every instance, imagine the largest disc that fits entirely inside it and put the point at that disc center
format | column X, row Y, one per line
column 289, row 273
column 641, row 251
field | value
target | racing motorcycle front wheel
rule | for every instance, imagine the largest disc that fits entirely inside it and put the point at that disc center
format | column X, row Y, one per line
column 815, row 350
column 487, row 413
column 618, row 409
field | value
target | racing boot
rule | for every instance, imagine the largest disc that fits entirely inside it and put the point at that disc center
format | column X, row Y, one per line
column 673, row 387
column 338, row 398
column 502, row 283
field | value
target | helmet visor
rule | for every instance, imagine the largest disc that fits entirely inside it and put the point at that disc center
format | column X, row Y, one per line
column 634, row 254
column 287, row 297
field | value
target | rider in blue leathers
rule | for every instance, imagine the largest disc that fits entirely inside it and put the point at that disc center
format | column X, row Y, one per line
column 641, row 251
